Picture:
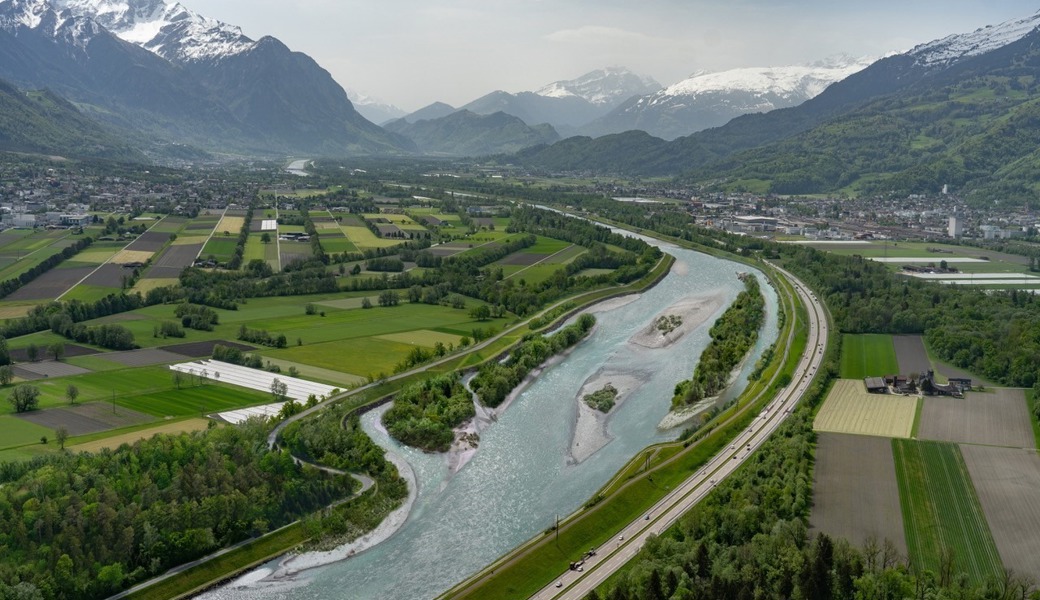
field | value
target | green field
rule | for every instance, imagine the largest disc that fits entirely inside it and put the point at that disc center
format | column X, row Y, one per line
column 942, row 516
column 365, row 239
column 867, row 355
column 193, row 400
column 220, row 247
column 16, row 432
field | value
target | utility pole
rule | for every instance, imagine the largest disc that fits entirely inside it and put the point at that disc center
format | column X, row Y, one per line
column 557, row 530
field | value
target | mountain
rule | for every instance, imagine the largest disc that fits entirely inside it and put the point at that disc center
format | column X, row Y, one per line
column 568, row 104
column 373, row 109
column 463, row 133
column 936, row 63
column 708, row 100
column 169, row 73
column 431, row 111
column 603, row 87
column 43, row 122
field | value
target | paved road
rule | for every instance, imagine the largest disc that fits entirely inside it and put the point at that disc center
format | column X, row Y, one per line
column 574, row 585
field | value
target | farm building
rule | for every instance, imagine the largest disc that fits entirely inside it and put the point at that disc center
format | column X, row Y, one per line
column 964, row 384
column 930, row 388
column 875, row 385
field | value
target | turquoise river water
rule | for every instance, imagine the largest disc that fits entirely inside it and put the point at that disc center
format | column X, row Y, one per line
column 522, row 476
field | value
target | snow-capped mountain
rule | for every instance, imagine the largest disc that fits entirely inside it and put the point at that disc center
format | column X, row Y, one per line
column 708, row 99
column 374, row 109
column 169, row 30
column 567, row 105
column 163, row 69
column 953, row 48
column 610, row 86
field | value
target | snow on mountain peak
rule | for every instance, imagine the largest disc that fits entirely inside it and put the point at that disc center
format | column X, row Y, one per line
column 801, row 80
column 954, row 47
column 169, row 30
column 603, row 86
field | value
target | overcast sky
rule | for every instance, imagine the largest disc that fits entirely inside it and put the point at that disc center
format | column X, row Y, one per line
column 414, row 52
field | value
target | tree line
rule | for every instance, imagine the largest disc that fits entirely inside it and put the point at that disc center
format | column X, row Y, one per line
column 9, row 286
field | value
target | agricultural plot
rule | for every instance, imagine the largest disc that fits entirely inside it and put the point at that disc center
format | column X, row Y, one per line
column 201, row 349
column 941, row 512
column 220, row 248
column 850, row 409
column 191, row 400
column 997, row 418
column 855, row 493
column 24, row 253
column 47, row 368
column 868, row 355
column 143, row 357
column 364, row 239
column 230, row 224
column 1007, row 481
column 171, row 262
column 50, row 285
column 84, row 419
column 362, row 357
column 115, row 441
column 913, row 358
column 131, row 256
column 149, row 241
column 16, row 432
column 109, row 275
column 254, row 379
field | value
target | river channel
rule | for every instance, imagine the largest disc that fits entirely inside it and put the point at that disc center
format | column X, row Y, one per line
column 523, row 476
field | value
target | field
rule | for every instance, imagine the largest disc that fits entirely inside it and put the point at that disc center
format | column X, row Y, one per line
column 867, row 355
column 115, row 441
column 364, row 239
column 1007, row 482
column 16, row 432
column 173, row 260
column 131, row 256
column 84, row 419
column 941, row 513
column 220, row 248
column 855, row 493
column 232, row 225
column 996, row 418
column 913, row 358
column 850, row 409
column 50, row 285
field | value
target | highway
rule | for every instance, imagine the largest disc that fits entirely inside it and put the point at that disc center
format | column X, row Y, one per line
column 575, row 585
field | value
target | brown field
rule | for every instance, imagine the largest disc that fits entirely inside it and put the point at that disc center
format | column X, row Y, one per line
column 201, row 349
column 129, row 438
column 230, row 224
column 446, row 250
column 173, row 261
column 288, row 257
column 997, row 418
column 109, row 275
column 82, row 419
column 20, row 355
column 51, row 284
column 144, row 357
column 1007, row 481
column 855, row 493
column 51, row 368
column 850, row 409
column 187, row 240
column 149, row 241
column 328, row 224
column 146, row 284
column 14, row 312
column 913, row 358
column 131, row 256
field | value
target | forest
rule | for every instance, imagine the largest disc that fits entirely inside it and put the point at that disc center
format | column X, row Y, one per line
column 424, row 414
column 89, row 525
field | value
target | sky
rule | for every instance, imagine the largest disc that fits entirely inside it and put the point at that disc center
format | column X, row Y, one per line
column 414, row 52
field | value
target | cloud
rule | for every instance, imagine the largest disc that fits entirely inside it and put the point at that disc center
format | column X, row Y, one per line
column 597, row 34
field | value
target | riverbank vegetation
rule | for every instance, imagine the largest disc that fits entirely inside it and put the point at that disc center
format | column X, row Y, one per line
column 424, row 414
column 602, row 399
column 732, row 337
column 494, row 381
column 90, row 525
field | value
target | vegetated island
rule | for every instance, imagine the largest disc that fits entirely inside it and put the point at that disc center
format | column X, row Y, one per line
column 433, row 414
column 732, row 337
column 677, row 320
column 602, row 399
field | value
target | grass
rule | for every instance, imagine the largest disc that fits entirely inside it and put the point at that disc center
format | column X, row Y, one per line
column 361, row 357
column 942, row 517
column 18, row 432
column 219, row 247
column 364, row 239
column 867, row 355
column 197, row 400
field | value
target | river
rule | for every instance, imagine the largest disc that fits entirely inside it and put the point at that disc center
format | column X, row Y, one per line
column 522, row 475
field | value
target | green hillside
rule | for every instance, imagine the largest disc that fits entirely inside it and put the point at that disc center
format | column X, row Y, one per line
column 42, row 122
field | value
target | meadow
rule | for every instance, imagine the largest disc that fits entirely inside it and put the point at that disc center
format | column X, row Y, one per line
column 867, row 355
column 941, row 512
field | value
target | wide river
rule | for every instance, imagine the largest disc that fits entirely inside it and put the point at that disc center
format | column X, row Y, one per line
column 522, row 476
